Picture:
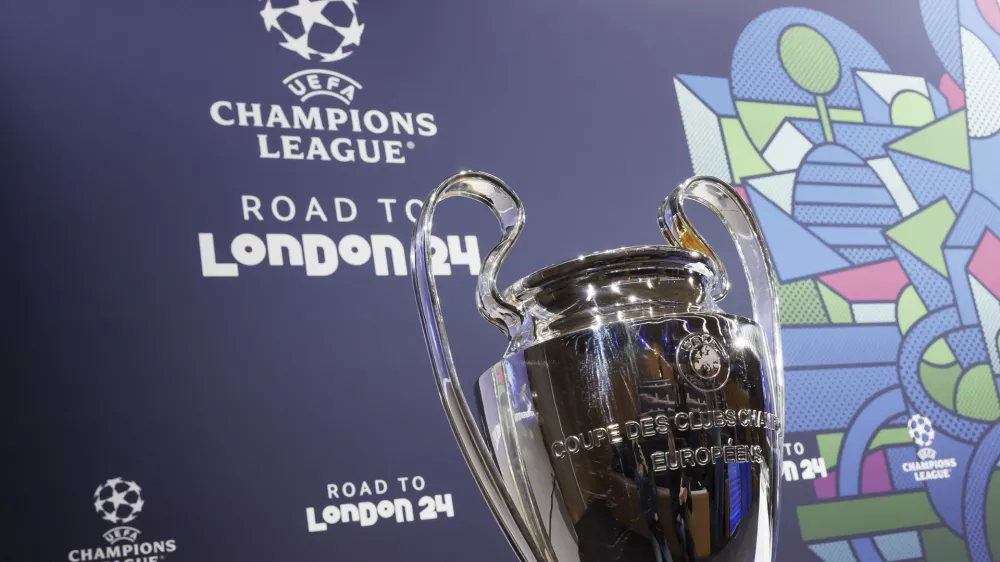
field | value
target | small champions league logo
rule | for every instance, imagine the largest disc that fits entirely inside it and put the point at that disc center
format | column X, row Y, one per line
column 325, row 29
column 119, row 501
column 704, row 363
column 922, row 432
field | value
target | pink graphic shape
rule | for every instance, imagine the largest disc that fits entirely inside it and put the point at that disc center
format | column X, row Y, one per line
column 991, row 12
column 951, row 92
column 985, row 263
column 877, row 282
column 875, row 474
column 826, row 488
column 743, row 193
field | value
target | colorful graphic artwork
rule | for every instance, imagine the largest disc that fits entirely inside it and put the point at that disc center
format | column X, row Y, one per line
column 879, row 196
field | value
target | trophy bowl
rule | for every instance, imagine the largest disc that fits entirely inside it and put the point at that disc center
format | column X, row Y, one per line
column 629, row 419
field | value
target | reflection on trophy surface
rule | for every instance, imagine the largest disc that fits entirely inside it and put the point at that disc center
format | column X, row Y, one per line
column 630, row 419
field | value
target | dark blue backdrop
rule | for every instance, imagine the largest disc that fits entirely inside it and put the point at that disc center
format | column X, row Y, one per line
column 233, row 402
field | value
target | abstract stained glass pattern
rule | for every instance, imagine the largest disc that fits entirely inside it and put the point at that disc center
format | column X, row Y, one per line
column 879, row 196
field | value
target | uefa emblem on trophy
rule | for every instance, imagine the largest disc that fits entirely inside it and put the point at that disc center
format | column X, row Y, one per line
column 629, row 419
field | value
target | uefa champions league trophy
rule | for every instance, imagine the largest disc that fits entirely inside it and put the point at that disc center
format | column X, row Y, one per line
column 630, row 419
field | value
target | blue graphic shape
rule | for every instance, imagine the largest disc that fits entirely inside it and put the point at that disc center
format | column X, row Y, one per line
column 874, row 109
column 824, row 399
column 899, row 546
column 971, row 19
column 838, row 174
column 825, row 193
column 843, row 215
column 813, row 130
column 862, row 430
column 824, row 346
column 981, row 468
column 941, row 22
column 968, row 347
column 933, row 289
column 868, row 141
column 759, row 75
column 861, row 256
column 865, row 549
column 938, row 101
column 928, row 181
column 978, row 215
column 957, row 259
column 711, row 90
column 839, row 551
column 986, row 166
column 850, row 235
column 896, row 456
column 946, row 493
column 832, row 154
column 920, row 336
column 796, row 252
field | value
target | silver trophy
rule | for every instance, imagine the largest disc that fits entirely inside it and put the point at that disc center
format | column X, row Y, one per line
column 630, row 419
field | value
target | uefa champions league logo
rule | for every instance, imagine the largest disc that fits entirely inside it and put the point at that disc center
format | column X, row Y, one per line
column 921, row 430
column 119, row 501
column 322, row 31
column 929, row 467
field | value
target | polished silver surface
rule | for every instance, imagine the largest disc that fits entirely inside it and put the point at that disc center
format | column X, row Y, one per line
column 630, row 419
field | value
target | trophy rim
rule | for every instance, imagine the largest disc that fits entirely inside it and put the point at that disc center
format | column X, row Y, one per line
column 638, row 259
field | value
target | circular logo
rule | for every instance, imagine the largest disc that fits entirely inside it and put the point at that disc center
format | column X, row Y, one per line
column 921, row 430
column 703, row 361
column 325, row 29
column 118, row 501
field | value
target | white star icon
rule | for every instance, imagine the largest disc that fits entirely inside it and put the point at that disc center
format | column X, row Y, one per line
column 311, row 13
column 352, row 34
column 298, row 45
column 335, row 56
column 270, row 16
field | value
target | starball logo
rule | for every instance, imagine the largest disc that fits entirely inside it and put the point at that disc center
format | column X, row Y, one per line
column 119, row 501
column 929, row 467
column 324, row 32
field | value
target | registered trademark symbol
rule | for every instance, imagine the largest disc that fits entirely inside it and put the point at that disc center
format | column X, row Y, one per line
column 410, row 144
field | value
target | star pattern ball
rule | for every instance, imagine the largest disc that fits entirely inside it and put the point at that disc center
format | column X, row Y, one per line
column 921, row 430
column 118, row 501
column 316, row 30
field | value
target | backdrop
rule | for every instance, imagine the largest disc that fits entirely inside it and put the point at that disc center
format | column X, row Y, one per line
column 212, row 334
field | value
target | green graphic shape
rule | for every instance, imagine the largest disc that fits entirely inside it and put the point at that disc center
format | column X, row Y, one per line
column 865, row 516
column 891, row 436
column 763, row 119
column 993, row 513
column 801, row 303
column 836, row 305
column 847, row 115
column 743, row 157
column 809, row 60
column 945, row 141
column 940, row 381
column 911, row 109
column 829, row 443
column 977, row 395
column 923, row 234
column 829, row 448
column 941, row 545
column 909, row 309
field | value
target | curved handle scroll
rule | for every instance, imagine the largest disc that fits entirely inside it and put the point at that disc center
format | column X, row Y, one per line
column 501, row 312
column 734, row 213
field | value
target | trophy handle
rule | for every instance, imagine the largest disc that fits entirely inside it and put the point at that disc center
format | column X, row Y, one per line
column 503, row 313
column 734, row 213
